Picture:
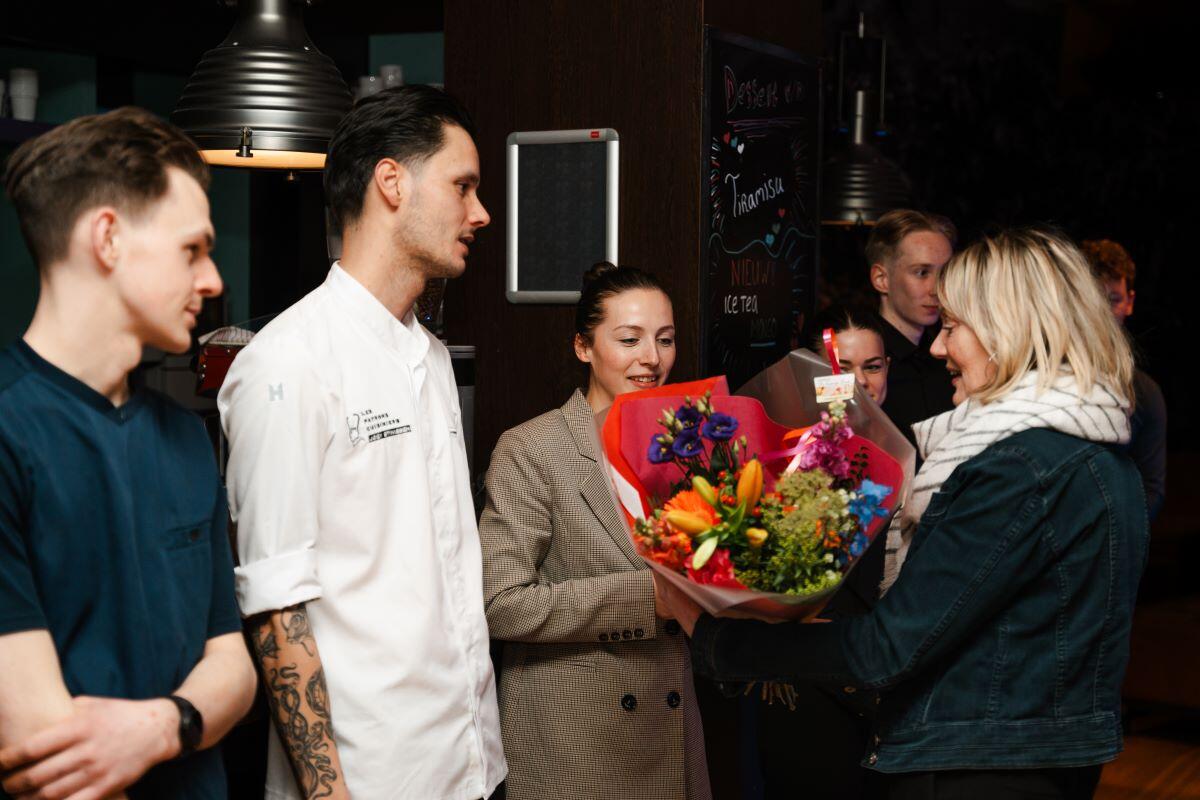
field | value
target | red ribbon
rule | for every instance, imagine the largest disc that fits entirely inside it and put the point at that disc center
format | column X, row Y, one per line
column 831, row 349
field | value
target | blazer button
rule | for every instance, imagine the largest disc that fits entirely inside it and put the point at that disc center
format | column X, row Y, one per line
column 615, row 636
column 629, row 702
column 638, row 633
column 604, row 637
column 627, row 635
column 673, row 699
column 671, row 627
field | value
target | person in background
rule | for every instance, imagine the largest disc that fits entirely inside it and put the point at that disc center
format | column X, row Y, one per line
column 121, row 649
column 905, row 252
column 359, row 558
column 596, row 692
column 1148, row 442
column 1001, row 648
column 860, row 347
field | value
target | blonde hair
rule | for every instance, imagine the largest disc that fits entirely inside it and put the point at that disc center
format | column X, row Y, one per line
column 1031, row 299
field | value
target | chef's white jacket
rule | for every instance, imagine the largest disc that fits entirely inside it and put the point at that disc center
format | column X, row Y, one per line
column 348, row 481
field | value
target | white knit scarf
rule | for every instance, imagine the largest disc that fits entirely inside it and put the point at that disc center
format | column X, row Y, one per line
column 949, row 439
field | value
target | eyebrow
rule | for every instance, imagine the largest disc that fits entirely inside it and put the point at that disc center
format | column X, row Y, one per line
column 468, row 177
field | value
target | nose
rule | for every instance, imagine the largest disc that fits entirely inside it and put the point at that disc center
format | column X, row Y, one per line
column 208, row 280
column 938, row 348
column 860, row 377
column 649, row 355
column 479, row 218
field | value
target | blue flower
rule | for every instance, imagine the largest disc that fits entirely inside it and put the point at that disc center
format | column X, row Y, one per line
column 867, row 502
column 688, row 416
column 660, row 451
column 688, row 444
column 720, row 427
column 858, row 544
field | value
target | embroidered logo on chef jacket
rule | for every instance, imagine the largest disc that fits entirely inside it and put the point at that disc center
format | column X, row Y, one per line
column 370, row 425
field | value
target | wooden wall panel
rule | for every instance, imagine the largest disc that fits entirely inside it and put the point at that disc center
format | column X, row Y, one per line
column 625, row 64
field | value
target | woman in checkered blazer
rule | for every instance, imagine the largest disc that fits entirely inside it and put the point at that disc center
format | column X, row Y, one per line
column 596, row 697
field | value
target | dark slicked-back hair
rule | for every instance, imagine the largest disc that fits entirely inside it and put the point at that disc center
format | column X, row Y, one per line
column 405, row 123
column 118, row 159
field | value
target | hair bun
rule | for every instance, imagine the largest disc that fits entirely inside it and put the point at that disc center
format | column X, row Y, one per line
column 596, row 272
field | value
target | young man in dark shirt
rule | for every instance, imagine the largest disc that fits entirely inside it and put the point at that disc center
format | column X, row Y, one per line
column 1148, row 440
column 905, row 252
column 120, row 641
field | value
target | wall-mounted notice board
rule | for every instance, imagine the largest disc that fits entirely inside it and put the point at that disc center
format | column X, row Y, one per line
column 760, row 167
column 562, row 211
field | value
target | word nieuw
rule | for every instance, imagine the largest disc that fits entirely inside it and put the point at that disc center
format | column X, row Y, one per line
column 751, row 272
column 752, row 95
column 745, row 203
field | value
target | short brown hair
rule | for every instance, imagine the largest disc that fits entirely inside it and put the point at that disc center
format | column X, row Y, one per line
column 1109, row 260
column 892, row 227
column 119, row 159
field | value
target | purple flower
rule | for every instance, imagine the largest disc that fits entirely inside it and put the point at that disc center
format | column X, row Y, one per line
column 688, row 444
column 826, row 455
column 660, row 452
column 720, row 427
column 688, row 416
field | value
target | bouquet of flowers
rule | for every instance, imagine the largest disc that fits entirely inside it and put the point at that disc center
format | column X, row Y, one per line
column 748, row 517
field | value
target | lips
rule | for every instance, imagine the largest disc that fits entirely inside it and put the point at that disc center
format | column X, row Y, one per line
column 644, row 381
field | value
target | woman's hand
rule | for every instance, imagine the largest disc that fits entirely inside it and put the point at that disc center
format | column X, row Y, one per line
column 675, row 605
column 661, row 609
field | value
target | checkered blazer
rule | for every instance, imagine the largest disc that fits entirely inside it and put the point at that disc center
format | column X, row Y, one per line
column 596, row 693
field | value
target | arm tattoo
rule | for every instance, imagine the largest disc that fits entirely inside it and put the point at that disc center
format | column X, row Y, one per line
column 300, row 708
column 298, row 631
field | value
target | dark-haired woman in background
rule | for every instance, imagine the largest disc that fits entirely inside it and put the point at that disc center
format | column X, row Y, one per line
column 596, row 693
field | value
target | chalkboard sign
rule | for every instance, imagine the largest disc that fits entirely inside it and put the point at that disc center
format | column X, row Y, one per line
column 562, row 204
column 760, row 167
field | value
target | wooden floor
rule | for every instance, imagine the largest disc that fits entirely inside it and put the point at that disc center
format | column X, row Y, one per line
column 1161, row 761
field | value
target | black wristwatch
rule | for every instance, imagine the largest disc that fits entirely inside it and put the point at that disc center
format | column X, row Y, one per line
column 191, row 726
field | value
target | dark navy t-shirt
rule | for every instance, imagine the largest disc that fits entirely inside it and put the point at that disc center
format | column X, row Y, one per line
column 113, row 538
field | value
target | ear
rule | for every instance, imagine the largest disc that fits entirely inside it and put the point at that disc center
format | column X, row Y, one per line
column 879, row 278
column 103, row 229
column 583, row 350
column 391, row 182
column 1129, row 303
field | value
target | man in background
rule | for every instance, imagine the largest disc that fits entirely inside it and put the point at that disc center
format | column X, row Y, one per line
column 906, row 251
column 1148, row 440
column 360, row 564
column 121, row 652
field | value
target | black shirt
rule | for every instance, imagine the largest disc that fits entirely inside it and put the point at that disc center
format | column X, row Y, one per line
column 1148, row 440
column 918, row 384
column 113, row 539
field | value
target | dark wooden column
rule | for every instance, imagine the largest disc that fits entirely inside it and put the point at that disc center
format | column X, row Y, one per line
column 631, row 65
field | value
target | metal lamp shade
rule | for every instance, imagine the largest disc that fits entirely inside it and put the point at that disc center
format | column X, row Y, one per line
column 861, row 185
column 265, row 98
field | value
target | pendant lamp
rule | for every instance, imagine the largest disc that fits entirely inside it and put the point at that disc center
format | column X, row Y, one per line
column 265, row 98
column 860, row 183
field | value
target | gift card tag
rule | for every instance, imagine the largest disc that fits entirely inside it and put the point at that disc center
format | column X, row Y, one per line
column 834, row 387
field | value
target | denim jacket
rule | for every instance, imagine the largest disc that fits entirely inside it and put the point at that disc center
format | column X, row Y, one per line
column 1005, row 640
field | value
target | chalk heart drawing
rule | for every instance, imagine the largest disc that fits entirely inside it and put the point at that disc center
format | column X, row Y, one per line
column 775, row 227
column 781, row 212
column 769, row 239
column 725, row 138
column 741, row 147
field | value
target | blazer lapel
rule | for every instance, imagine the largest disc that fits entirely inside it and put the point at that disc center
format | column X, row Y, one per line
column 594, row 484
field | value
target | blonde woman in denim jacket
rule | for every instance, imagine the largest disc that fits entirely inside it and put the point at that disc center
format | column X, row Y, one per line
column 1001, row 647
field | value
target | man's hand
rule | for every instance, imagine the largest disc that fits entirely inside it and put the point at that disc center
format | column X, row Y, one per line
column 104, row 747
